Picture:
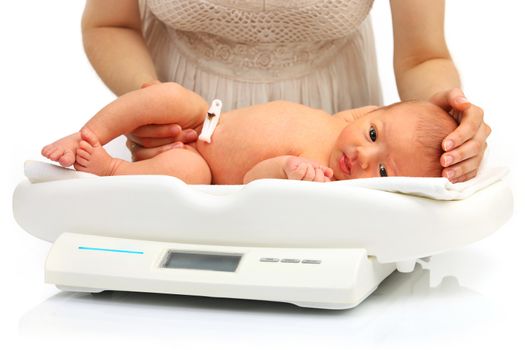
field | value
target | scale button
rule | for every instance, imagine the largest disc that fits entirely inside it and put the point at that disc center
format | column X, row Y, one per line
column 292, row 261
column 310, row 261
column 268, row 259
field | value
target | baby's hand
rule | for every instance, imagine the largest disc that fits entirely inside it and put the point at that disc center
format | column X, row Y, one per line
column 298, row 168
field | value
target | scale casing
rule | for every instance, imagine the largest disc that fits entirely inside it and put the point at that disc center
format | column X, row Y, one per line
column 327, row 278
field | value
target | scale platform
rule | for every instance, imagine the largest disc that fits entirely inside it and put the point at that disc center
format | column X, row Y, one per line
column 315, row 245
column 327, row 278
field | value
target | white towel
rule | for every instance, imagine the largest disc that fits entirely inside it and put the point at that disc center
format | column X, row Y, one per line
column 37, row 171
column 430, row 187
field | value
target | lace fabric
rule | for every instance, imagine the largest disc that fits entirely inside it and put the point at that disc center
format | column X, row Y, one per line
column 258, row 21
column 315, row 52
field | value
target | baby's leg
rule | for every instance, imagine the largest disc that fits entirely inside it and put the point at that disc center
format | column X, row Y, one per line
column 63, row 150
column 158, row 104
column 186, row 164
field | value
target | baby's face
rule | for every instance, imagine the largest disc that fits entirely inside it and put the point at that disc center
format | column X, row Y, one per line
column 381, row 143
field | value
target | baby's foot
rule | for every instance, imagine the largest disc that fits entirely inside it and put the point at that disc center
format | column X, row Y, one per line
column 63, row 150
column 91, row 157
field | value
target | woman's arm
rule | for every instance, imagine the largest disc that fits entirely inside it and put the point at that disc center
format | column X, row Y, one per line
column 425, row 71
column 422, row 63
column 113, row 41
column 112, row 36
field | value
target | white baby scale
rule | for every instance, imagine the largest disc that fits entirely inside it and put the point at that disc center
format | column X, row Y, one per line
column 320, row 245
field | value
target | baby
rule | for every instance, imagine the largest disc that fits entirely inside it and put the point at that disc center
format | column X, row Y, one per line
column 274, row 140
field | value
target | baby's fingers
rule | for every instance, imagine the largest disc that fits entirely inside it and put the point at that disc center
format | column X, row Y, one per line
column 295, row 171
column 319, row 175
column 328, row 172
column 309, row 174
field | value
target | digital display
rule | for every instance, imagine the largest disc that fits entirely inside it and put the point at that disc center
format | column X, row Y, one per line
column 202, row 261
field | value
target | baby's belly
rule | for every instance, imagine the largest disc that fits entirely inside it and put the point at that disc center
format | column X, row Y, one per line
column 246, row 137
column 231, row 156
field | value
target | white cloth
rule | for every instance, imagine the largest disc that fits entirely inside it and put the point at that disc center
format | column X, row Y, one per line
column 315, row 52
column 430, row 187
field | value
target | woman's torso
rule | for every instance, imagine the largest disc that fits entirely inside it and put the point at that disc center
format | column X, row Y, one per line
column 315, row 52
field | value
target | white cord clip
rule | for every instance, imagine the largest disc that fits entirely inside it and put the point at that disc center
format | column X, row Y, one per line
column 210, row 121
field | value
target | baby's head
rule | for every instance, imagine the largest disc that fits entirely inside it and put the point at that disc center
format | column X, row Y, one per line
column 403, row 139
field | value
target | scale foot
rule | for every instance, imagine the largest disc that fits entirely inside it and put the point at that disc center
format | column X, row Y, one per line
column 79, row 289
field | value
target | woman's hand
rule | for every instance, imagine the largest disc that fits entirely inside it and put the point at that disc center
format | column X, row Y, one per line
column 465, row 146
column 147, row 141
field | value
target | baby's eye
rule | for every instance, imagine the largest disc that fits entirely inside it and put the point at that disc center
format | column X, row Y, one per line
column 373, row 134
column 382, row 170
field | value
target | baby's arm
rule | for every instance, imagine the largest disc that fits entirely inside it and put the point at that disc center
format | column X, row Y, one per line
column 289, row 167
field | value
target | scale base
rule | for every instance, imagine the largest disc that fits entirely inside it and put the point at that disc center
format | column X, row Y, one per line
column 307, row 277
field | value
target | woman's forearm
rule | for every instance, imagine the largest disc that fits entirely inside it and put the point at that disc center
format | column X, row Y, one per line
column 421, row 81
column 112, row 36
column 120, row 57
column 422, row 62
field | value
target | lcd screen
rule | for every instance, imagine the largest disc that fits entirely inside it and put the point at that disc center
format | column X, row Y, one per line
column 202, row 261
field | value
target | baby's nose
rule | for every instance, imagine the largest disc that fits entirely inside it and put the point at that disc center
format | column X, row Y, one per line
column 367, row 155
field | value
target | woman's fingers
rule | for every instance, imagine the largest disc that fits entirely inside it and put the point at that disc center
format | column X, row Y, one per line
column 150, row 142
column 469, row 149
column 462, row 163
column 464, row 147
column 166, row 130
column 471, row 123
column 465, row 167
column 155, row 136
column 457, row 100
column 451, row 99
column 465, row 177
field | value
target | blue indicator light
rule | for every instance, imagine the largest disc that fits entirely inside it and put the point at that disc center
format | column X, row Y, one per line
column 111, row 250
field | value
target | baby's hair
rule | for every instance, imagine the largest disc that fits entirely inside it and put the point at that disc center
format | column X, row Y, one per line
column 433, row 125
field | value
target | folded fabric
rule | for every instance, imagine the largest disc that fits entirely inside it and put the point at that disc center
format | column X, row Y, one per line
column 430, row 187
column 37, row 171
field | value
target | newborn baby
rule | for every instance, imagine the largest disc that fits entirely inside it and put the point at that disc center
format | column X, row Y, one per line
column 273, row 140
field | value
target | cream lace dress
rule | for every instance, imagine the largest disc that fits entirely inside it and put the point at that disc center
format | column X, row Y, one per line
column 316, row 52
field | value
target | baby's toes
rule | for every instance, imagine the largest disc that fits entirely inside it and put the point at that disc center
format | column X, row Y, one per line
column 86, row 147
column 80, row 160
column 67, row 159
column 83, row 154
column 56, row 154
column 47, row 150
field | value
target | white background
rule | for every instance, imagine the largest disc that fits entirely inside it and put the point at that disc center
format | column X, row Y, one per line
column 470, row 297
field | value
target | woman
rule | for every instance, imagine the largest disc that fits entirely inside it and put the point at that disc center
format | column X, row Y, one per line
column 316, row 52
